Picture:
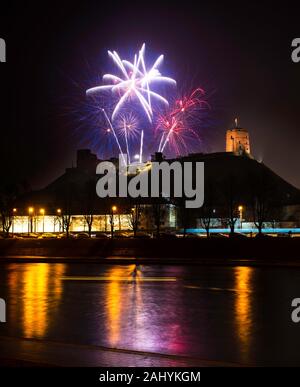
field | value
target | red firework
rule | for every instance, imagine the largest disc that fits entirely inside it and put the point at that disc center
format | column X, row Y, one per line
column 188, row 104
column 177, row 127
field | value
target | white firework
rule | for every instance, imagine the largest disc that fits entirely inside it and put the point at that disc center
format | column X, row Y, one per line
column 127, row 125
column 134, row 82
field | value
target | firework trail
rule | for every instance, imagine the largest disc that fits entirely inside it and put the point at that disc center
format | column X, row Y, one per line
column 173, row 133
column 141, row 146
column 127, row 125
column 114, row 133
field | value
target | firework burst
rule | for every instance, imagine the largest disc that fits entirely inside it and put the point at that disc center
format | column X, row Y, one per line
column 190, row 104
column 128, row 125
column 178, row 127
column 136, row 119
column 134, row 82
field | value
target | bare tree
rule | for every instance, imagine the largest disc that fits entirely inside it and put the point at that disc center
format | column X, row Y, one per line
column 260, row 211
column 207, row 210
column 134, row 218
column 57, row 220
column 158, row 213
column 66, row 222
column 112, row 223
column 89, row 200
column 231, row 201
column 184, row 215
column 7, row 197
column 206, row 214
column 262, row 193
column 6, row 220
column 67, row 197
column 89, row 219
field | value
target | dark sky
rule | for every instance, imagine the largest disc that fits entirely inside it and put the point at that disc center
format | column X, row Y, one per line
column 241, row 52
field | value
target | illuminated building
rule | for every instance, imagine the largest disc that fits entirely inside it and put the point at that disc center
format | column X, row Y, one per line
column 237, row 140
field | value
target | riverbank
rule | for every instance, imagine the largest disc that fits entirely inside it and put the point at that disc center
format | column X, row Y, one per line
column 282, row 251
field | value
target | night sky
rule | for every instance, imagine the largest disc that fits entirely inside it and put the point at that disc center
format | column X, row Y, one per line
column 240, row 53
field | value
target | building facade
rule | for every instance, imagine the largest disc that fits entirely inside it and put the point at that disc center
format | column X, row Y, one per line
column 237, row 140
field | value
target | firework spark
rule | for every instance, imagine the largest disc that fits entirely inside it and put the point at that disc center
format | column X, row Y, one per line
column 178, row 126
column 141, row 146
column 190, row 104
column 134, row 82
column 127, row 125
column 172, row 131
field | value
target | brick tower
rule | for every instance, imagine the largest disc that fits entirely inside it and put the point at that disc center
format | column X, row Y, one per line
column 237, row 140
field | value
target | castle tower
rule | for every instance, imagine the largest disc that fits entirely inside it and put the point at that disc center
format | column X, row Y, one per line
column 237, row 140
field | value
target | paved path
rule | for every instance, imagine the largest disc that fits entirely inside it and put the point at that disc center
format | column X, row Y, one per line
column 21, row 351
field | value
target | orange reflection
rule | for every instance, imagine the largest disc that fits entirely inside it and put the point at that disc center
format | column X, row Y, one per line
column 114, row 301
column 37, row 290
column 243, row 306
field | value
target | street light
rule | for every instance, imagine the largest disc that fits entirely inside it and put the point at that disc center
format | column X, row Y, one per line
column 58, row 211
column 30, row 212
column 42, row 212
column 13, row 220
column 240, row 208
column 113, row 210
